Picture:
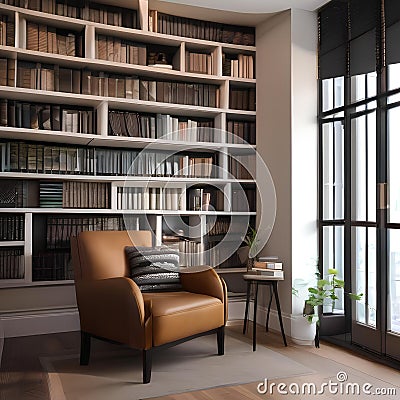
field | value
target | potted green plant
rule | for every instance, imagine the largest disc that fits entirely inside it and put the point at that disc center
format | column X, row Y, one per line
column 324, row 292
column 251, row 241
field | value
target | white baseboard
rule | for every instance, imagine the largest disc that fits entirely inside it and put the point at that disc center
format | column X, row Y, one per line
column 39, row 322
column 236, row 310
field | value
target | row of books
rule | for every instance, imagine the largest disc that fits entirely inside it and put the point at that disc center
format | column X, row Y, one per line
column 197, row 29
column 196, row 94
column 242, row 167
column 111, row 15
column 66, row 8
column 220, row 227
column 54, row 78
column 191, row 253
column 7, row 72
column 118, row 50
column 242, row 99
column 205, row 199
column 91, row 11
column 52, row 266
column 17, row 114
column 71, row 194
column 149, row 198
column 242, row 131
column 200, row 63
column 60, row 229
column 53, row 40
column 220, row 258
column 48, row 77
column 243, row 199
column 12, row 263
column 125, row 123
column 12, row 227
column 7, row 31
column 44, row 158
column 240, row 67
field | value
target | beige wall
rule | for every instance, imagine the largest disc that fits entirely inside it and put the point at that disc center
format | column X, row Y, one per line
column 273, row 68
column 287, row 141
column 304, row 148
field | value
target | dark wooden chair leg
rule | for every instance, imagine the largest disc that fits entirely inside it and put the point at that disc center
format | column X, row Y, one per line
column 221, row 340
column 85, row 348
column 146, row 366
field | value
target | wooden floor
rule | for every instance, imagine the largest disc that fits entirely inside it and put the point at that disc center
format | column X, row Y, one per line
column 22, row 378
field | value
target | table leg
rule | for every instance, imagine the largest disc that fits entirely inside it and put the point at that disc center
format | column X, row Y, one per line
column 246, row 313
column 278, row 306
column 255, row 317
column 269, row 307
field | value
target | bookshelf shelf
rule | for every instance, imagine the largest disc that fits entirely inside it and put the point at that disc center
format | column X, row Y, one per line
column 12, row 243
column 129, row 179
column 109, row 211
column 196, row 90
column 234, row 270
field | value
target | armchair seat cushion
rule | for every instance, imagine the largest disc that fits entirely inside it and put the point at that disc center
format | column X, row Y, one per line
column 177, row 315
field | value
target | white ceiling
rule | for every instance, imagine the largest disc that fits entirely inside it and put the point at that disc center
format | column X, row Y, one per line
column 254, row 6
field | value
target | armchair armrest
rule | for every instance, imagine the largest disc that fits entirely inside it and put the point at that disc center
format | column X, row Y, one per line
column 205, row 281
column 113, row 309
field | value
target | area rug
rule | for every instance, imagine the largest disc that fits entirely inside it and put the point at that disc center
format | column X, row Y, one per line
column 194, row 365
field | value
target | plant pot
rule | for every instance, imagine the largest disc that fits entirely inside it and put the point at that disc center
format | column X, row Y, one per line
column 250, row 264
column 308, row 309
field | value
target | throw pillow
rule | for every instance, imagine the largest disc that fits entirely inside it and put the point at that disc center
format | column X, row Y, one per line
column 154, row 268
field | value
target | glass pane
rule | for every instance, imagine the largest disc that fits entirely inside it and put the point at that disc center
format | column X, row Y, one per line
column 333, row 175
column 371, row 162
column 339, row 91
column 363, row 87
column 360, row 268
column 394, row 281
column 333, row 250
column 371, row 84
column 394, row 81
column 370, row 300
column 332, row 93
column 359, row 181
column 358, row 88
column 364, row 261
column 327, row 94
column 394, row 164
column 364, row 167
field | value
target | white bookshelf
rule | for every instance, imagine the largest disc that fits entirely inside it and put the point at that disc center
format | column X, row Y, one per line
column 101, row 138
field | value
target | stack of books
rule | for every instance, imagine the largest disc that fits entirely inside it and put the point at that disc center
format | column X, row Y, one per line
column 269, row 266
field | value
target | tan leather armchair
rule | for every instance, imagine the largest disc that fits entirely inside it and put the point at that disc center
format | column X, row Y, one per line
column 112, row 307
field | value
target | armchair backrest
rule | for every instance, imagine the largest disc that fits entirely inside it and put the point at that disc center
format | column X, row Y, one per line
column 100, row 254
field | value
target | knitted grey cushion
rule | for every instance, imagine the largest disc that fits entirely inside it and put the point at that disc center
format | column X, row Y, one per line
column 154, row 268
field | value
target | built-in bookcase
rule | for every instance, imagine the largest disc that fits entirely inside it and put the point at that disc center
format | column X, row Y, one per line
column 84, row 88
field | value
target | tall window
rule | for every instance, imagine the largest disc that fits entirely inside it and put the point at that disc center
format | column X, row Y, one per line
column 359, row 170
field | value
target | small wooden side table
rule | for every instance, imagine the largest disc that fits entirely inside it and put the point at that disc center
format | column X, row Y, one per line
column 272, row 282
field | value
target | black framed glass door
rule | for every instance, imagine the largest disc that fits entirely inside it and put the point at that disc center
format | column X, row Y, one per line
column 359, row 165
